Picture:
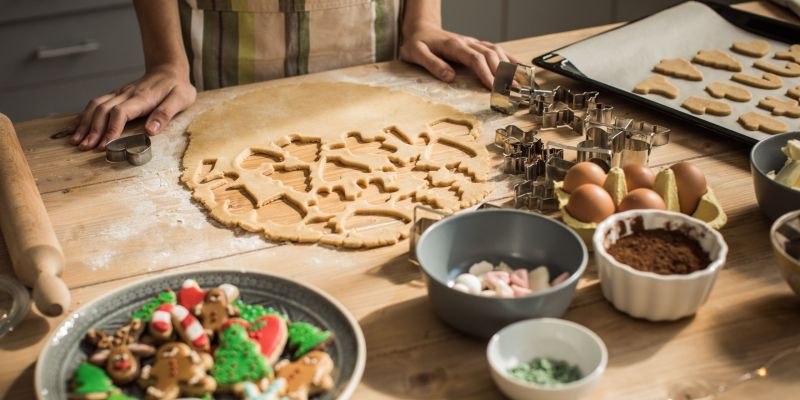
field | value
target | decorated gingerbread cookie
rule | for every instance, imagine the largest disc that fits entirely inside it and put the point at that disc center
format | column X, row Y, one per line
column 177, row 371
column 91, row 382
column 168, row 319
column 190, row 294
column 252, row 312
column 238, row 359
column 304, row 337
column 308, row 376
column 217, row 307
column 119, row 353
column 146, row 310
column 276, row 390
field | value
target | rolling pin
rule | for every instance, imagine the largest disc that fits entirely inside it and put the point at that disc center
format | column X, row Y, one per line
column 29, row 236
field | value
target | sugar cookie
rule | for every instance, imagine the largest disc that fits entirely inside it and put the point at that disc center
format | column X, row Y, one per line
column 794, row 92
column 731, row 92
column 657, row 84
column 754, row 121
column 217, row 307
column 700, row 106
column 789, row 108
column 793, row 54
column 717, row 59
column 91, row 383
column 755, row 48
column 238, row 359
column 767, row 80
column 678, row 68
column 790, row 69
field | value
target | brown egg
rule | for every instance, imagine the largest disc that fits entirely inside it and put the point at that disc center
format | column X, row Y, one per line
column 590, row 203
column 639, row 176
column 691, row 186
column 582, row 173
column 642, row 198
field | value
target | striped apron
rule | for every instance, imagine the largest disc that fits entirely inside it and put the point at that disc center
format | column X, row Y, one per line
column 234, row 42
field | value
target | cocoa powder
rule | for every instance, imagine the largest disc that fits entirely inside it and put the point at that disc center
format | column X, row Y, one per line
column 661, row 251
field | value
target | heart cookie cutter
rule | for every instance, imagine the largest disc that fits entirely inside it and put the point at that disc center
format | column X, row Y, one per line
column 135, row 149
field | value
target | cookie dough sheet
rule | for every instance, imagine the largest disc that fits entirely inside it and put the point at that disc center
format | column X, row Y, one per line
column 625, row 56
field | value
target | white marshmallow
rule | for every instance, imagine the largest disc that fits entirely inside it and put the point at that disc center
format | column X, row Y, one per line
column 461, row 287
column 539, row 279
column 472, row 283
column 481, row 268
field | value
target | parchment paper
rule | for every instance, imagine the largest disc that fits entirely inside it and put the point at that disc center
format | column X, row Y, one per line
column 625, row 56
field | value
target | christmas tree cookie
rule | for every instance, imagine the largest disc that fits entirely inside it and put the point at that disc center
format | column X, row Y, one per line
column 145, row 312
column 238, row 359
column 304, row 337
column 91, row 382
column 252, row 312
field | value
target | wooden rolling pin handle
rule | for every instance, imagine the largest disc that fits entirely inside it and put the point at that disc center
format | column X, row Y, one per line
column 32, row 244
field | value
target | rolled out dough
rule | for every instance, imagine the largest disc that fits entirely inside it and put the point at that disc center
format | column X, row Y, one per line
column 266, row 122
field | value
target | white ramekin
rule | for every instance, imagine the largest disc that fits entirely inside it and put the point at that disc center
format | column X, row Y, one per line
column 646, row 294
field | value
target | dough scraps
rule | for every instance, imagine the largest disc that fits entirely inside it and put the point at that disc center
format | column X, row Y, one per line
column 678, row 68
column 730, row 92
column 755, row 48
column 657, row 84
column 335, row 163
column 717, row 59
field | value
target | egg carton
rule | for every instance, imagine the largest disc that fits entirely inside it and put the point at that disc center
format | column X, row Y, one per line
column 609, row 141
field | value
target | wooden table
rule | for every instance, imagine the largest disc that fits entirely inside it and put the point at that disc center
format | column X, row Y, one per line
column 119, row 225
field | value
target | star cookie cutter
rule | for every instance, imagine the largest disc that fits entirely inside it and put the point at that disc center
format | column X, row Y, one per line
column 135, row 149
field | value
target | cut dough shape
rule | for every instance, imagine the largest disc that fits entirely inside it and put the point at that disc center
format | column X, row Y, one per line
column 767, row 80
column 717, row 59
column 678, row 68
column 793, row 54
column 275, row 121
column 755, row 48
column 789, row 108
column 657, row 84
column 790, row 69
column 794, row 92
column 700, row 106
column 754, row 121
column 731, row 92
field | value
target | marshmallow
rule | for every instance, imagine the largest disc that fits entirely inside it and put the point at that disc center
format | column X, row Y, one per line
column 481, row 268
column 539, row 279
column 520, row 278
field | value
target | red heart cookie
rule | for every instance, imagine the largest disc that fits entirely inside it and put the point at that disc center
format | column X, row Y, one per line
column 271, row 332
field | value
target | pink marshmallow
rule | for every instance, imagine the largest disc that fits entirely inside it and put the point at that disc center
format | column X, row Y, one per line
column 560, row 278
column 520, row 278
column 491, row 278
column 520, row 291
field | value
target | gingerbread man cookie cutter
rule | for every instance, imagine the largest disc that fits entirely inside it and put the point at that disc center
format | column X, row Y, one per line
column 135, row 149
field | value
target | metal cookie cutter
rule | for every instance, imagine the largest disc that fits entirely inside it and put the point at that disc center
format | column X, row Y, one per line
column 134, row 149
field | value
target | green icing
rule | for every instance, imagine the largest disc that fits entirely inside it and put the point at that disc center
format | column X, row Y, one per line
column 545, row 371
column 304, row 337
column 146, row 311
column 91, row 379
column 252, row 312
column 238, row 359
column 120, row 396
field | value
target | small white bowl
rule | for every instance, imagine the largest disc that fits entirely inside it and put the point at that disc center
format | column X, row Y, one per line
column 552, row 338
column 646, row 294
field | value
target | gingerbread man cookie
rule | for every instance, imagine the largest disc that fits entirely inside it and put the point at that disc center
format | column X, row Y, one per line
column 767, row 80
column 217, row 307
column 794, row 92
column 789, row 69
column 657, row 84
column 678, row 68
column 793, row 54
column 753, row 121
column 177, row 371
column 717, row 59
column 308, row 376
column 700, row 106
column 730, row 92
column 754, row 48
column 120, row 353
column 789, row 108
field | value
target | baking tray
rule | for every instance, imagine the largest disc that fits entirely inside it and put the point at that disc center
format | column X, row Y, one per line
column 742, row 23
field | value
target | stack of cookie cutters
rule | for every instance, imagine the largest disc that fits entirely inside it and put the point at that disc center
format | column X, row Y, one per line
column 609, row 141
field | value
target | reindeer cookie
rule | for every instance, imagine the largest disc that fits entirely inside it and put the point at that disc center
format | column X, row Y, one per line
column 217, row 307
column 119, row 353
column 308, row 376
column 177, row 371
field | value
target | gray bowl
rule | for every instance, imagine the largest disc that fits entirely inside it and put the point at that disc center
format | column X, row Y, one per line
column 773, row 198
column 519, row 238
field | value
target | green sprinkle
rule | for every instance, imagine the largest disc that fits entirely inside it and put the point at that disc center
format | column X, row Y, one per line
column 546, row 372
column 252, row 312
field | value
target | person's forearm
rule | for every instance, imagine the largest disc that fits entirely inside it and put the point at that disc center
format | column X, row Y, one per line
column 421, row 12
column 160, row 26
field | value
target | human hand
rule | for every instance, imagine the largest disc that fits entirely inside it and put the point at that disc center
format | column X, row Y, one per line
column 429, row 45
column 161, row 93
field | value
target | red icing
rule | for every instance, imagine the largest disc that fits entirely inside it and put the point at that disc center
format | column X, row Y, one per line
column 191, row 296
column 161, row 326
column 271, row 336
column 121, row 365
